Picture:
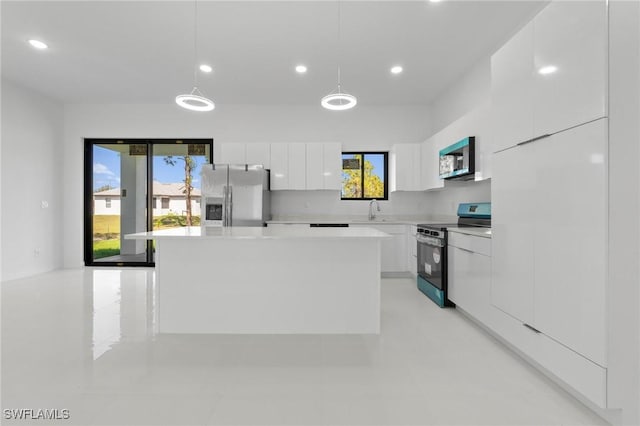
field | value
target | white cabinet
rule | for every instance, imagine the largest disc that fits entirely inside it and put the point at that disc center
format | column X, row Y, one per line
column 297, row 166
column 258, row 153
column 549, row 208
column 279, row 166
column 469, row 268
column 404, row 167
column 231, row 153
column 394, row 250
column 412, row 249
column 551, row 75
column 571, row 36
column 300, row 166
column 429, row 160
column 511, row 87
column 332, row 165
column 243, row 153
column 570, row 239
column 288, row 166
column 513, row 194
column 315, row 179
column 323, row 166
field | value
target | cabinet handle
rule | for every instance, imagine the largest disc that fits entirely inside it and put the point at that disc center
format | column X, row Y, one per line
column 537, row 138
column 535, row 330
column 463, row 249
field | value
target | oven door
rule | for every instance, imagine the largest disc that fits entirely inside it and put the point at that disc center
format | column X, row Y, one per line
column 431, row 256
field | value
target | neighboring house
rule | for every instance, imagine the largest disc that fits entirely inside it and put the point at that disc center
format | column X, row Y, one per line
column 167, row 198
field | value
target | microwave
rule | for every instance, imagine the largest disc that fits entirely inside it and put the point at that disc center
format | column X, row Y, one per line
column 457, row 161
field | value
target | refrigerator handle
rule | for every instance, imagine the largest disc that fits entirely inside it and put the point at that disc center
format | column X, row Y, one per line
column 230, row 204
column 225, row 204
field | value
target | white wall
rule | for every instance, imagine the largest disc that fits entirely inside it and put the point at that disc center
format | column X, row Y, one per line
column 100, row 206
column 32, row 163
column 623, row 375
column 470, row 92
column 361, row 128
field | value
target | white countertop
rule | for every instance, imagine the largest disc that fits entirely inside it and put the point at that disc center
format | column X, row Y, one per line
column 478, row 232
column 362, row 219
column 246, row 232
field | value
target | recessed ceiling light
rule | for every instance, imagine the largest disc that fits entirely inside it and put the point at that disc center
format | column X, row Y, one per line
column 435, row 1
column 549, row 69
column 38, row 44
column 396, row 69
column 205, row 68
column 301, row 69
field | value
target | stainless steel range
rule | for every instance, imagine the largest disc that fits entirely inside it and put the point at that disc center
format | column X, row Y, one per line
column 432, row 250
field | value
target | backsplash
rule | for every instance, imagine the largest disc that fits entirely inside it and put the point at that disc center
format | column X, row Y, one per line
column 445, row 201
column 301, row 203
column 402, row 203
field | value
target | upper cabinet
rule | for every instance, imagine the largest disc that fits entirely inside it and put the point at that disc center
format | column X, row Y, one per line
column 570, row 36
column 243, row 153
column 511, row 87
column 551, row 75
column 232, row 153
column 279, row 166
column 324, row 167
column 258, row 153
column 297, row 166
column 300, row 166
column 404, row 167
column 429, row 160
column 332, row 165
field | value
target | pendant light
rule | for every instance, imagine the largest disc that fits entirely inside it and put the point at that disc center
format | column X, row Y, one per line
column 338, row 100
column 195, row 101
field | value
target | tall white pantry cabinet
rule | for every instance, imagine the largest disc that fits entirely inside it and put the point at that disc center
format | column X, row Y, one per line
column 549, row 193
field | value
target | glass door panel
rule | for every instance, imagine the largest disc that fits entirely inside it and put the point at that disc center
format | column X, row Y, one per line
column 139, row 185
column 176, row 183
column 119, row 197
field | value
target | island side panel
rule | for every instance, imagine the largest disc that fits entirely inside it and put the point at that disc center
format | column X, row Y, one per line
column 269, row 285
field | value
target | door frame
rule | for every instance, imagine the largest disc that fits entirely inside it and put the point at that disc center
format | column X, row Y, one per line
column 88, row 191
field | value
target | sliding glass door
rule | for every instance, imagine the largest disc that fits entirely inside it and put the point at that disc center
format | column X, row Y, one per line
column 135, row 186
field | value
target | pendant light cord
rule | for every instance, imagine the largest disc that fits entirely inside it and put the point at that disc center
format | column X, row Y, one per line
column 195, row 43
column 339, row 42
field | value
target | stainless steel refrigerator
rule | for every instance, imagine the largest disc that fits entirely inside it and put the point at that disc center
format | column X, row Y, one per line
column 235, row 195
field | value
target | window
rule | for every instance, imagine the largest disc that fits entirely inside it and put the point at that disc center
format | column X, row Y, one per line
column 364, row 175
column 107, row 203
column 165, row 203
column 155, row 202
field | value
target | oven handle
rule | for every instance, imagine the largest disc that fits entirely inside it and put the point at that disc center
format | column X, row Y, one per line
column 437, row 242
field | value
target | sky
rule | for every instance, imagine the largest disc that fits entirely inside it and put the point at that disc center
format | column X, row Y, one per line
column 376, row 160
column 106, row 169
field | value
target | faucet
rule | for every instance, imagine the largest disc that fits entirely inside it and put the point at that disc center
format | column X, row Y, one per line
column 372, row 214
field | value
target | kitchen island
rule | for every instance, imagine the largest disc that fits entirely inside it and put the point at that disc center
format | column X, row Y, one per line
column 265, row 280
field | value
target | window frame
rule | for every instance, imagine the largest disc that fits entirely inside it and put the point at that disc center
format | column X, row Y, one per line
column 385, row 155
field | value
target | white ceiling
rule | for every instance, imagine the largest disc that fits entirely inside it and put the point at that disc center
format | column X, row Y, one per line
column 143, row 51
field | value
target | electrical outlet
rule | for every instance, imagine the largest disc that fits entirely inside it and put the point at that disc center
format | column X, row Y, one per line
column 36, row 252
column 44, row 204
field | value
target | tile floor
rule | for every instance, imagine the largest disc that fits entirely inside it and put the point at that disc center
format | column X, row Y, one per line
column 84, row 340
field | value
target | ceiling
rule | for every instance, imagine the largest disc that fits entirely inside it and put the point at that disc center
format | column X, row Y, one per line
column 143, row 51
